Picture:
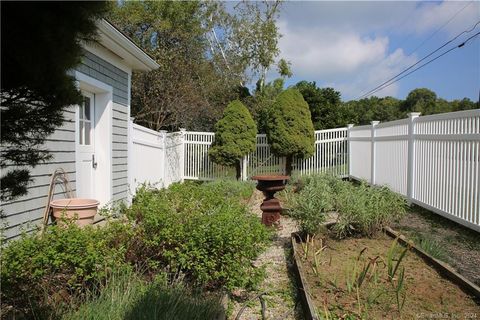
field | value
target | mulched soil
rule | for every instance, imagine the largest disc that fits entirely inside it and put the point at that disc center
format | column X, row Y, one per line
column 461, row 246
column 427, row 293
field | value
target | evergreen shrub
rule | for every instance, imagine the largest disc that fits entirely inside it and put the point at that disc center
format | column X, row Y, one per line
column 235, row 136
column 290, row 130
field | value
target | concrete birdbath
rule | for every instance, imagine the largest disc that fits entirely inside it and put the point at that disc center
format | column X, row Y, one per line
column 271, row 209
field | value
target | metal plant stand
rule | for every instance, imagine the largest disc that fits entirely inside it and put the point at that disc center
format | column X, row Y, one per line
column 271, row 208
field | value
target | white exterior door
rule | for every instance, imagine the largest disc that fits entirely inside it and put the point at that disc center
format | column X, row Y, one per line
column 85, row 149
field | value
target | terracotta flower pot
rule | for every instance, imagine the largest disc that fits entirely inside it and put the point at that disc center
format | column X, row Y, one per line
column 83, row 211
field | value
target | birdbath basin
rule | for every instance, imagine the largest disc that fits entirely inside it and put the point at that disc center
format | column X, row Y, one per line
column 271, row 209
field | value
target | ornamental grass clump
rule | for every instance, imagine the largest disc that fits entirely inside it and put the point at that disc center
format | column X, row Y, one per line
column 361, row 209
column 235, row 136
column 290, row 130
column 313, row 200
column 366, row 210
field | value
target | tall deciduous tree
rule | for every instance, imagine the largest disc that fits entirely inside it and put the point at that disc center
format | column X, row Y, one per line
column 205, row 52
column 324, row 104
column 421, row 100
column 235, row 136
column 290, row 130
column 41, row 41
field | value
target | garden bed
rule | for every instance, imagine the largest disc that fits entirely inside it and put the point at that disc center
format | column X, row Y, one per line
column 349, row 278
column 444, row 240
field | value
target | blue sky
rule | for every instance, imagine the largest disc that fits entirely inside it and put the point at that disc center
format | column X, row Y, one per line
column 354, row 46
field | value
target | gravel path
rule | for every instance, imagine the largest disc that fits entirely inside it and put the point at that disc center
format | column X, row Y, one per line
column 278, row 286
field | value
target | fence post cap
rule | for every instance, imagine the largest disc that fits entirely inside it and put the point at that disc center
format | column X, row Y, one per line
column 374, row 123
column 414, row 114
column 183, row 129
column 132, row 119
column 350, row 125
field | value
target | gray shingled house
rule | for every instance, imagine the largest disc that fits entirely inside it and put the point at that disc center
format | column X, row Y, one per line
column 92, row 145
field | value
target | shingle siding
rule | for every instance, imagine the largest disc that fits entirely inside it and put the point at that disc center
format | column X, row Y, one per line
column 25, row 212
column 120, row 152
column 103, row 71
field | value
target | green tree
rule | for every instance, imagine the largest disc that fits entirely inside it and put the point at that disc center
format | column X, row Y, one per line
column 464, row 104
column 262, row 102
column 324, row 104
column 41, row 41
column 235, row 136
column 421, row 100
column 290, row 130
column 205, row 52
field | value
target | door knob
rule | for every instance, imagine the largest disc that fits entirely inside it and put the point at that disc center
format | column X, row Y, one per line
column 94, row 163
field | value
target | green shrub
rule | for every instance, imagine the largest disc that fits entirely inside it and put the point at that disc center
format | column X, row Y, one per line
column 127, row 296
column 366, row 210
column 38, row 272
column 235, row 136
column 361, row 209
column 314, row 198
column 290, row 130
column 200, row 231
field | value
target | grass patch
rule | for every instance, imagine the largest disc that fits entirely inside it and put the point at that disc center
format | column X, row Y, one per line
column 431, row 246
column 126, row 296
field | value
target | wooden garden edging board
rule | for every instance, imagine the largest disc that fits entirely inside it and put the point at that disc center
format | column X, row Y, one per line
column 308, row 306
column 442, row 267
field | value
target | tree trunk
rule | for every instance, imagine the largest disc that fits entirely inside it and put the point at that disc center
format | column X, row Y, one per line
column 288, row 165
column 238, row 169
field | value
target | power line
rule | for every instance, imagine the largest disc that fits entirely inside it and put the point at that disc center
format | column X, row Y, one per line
column 433, row 34
column 426, row 63
column 416, row 63
column 438, row 30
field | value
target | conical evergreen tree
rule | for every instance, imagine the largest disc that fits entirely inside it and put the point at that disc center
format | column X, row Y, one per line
column 290, row 130
column 235, row 136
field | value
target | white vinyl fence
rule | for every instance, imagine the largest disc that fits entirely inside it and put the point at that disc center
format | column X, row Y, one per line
column 163, row 158
column 432, row 160
column 154, row 157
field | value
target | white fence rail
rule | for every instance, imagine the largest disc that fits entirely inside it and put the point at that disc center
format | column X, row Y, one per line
column 433, row 160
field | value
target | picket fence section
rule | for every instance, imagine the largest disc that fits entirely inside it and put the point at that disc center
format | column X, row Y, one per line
column 330, row 155
column 434, row 161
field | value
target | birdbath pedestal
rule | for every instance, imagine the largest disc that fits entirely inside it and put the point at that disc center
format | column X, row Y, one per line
column 271, row 209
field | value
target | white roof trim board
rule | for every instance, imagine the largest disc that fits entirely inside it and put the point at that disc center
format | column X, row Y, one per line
column 122, row 46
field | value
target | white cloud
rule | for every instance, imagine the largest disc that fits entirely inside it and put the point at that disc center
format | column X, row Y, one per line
column 452, row 17
column 347, row 44
column 344, row 59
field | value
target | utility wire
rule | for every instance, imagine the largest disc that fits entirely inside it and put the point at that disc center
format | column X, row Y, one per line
column 431, row 35
column 426, row 63
column 413, row 65
column 438, row 30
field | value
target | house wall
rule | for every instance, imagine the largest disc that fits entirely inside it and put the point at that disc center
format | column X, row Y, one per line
column 26, row 212
column 101, row 70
